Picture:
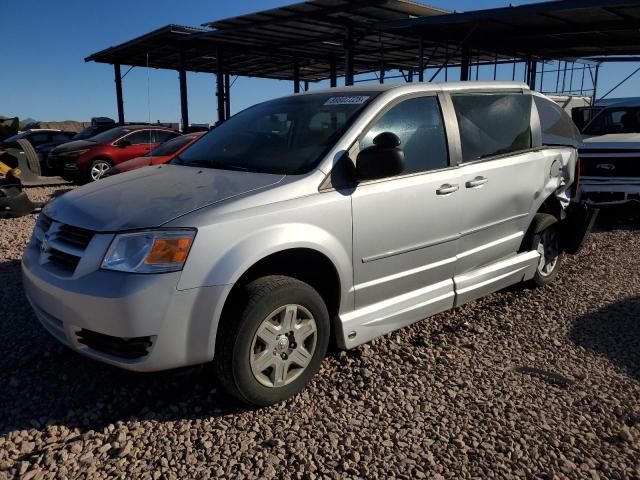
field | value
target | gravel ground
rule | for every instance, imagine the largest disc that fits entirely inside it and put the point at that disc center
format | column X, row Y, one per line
column 533, row 384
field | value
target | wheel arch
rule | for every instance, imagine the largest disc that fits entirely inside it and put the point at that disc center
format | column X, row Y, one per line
column 306, row 264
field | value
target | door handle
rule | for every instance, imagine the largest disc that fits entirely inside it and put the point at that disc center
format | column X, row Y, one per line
column 476, row 182
column 447, row 188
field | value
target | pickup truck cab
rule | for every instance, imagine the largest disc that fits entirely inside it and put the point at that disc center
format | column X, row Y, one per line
column 610, row 156
column 345, row 213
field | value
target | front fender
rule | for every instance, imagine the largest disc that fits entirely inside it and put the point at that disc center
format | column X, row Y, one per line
column 228, row 264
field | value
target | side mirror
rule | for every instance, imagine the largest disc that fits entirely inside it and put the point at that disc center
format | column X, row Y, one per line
column 124, row 143
column 383, row 159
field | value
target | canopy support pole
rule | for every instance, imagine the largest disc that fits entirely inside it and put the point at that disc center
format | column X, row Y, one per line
column 227, row 96
column 348, row 56
column 119, row 100
column 220, row 85
column 333, row 72
column 421, row 60
column 184, row 104
column 464, row 65
column 296, row 76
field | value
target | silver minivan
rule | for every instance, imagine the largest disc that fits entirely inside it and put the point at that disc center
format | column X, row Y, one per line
column 336, row 215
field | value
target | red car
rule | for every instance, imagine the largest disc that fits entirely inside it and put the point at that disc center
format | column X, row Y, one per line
column 161, row 154
column 88, row 160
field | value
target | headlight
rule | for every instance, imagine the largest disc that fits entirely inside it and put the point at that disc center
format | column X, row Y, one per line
column 149, row 252
column 77, row 153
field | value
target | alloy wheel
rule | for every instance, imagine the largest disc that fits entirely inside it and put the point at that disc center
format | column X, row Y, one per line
column 283, row 345
column 98, row 170
column 549, row 251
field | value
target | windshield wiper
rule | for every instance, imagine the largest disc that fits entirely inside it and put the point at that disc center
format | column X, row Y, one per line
column 209, row 164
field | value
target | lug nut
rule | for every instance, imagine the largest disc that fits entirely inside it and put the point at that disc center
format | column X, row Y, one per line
column 284, row 356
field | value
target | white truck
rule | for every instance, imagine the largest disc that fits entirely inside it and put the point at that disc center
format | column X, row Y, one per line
column 610, row 156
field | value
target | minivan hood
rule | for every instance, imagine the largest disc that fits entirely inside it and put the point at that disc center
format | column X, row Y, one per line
column 151, row 196
column 73, row 146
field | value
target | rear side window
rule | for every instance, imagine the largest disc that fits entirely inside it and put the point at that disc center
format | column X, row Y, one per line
column 164, row 135
column 59, row 137
column 418, row 123
column 39, row 138
column 140, row 137
column 492, row 124
column 556, row 125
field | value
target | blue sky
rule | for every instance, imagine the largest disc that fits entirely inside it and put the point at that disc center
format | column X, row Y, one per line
column 44, row 76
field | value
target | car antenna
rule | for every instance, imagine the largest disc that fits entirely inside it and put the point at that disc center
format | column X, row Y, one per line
column 149, row 97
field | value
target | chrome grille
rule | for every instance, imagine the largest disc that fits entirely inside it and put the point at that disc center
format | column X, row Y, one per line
column 75, row 236
column 44, row 222
column 61, row 246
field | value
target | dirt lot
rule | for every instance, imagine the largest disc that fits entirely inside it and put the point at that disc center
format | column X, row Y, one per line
column 533, row 384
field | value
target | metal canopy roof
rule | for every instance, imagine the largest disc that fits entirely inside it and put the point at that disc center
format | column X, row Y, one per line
column 385, row 36
column 161, row 45
column 558, row 29
column 267, row 44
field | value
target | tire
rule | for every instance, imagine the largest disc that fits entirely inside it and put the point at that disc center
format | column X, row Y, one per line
column 261, row 372
column 97, row 169
column 544, row 236
column 33, row 159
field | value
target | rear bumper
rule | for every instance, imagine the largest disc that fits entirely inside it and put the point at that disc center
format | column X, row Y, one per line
column 137, row 322
column 609, row 191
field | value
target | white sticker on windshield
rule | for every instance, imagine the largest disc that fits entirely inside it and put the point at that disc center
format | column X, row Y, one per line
column 347, row 100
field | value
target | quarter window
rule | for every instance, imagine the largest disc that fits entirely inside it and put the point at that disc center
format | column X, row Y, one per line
column 557, row 127
column 140, row 137
column 418, row 123
column 38, row 138
column 493, row 124
column 164, row 135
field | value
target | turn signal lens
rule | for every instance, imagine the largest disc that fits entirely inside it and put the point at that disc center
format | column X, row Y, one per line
column 169, row 250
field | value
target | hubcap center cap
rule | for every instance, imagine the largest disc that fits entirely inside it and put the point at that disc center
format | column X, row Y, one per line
column 282, row 344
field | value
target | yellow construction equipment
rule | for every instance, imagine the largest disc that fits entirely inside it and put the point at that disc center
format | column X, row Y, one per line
column 13, row 200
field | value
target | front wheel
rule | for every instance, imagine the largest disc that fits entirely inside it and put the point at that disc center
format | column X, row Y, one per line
column 97, row 169
column 273, row 342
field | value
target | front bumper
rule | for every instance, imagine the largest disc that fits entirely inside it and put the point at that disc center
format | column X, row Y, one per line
column 179, row 325
column 610, row 190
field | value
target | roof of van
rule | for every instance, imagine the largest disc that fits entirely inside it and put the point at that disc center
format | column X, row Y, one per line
column 424, row 86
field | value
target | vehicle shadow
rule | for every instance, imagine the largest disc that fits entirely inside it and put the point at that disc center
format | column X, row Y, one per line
column 612, row 332
column 621, row 217
column 44, row 383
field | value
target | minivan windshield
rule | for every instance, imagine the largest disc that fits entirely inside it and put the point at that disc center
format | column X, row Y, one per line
column 284, row 136
column 614, row 120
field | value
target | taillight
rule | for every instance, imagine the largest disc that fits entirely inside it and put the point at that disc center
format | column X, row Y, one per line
column 576, row 181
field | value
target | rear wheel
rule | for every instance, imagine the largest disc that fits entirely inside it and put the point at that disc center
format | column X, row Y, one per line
column 97, row 169
column 273, row 342
column 545, row 239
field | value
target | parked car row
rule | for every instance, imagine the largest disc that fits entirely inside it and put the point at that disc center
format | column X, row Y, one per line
column 341, row 214
column 88, row 160
column 103, row 147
